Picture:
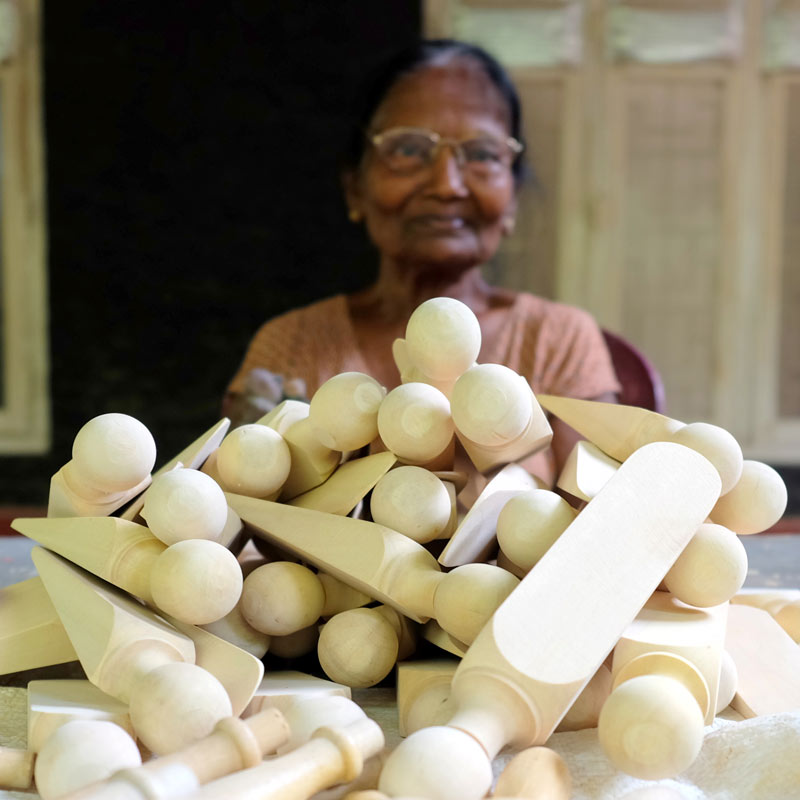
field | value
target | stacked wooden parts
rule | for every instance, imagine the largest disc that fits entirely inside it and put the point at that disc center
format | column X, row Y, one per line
column 611, row 610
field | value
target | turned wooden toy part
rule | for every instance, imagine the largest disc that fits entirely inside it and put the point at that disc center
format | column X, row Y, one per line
column 195, row 580
column 413, row 501
column 344, row 411
column 496, row 416
column 585, row 711
column 282, row 688
column 134, row 655
column 234, row 628
column 185, row 504
column 31, row 632
column 767, row 663
column 339, row 596
column 253, row 460
column 423, row 693
column 296, row 644
column 81, row 752
column 282, row 597
column 414, row 423
column 112, row 456
column 475, row 534
column 728, row 682
column 529, row 523
column 618, row 430
column 711, row 569
column 586, row 471
column 783, row 605
column 382, row 563
column 233, row 745
column 333, row 755
column 536, row 773
column 512, row 687
column 16, row 768
column 755, row 503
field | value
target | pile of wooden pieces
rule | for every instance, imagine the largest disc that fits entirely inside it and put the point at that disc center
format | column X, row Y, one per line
column 611, row 611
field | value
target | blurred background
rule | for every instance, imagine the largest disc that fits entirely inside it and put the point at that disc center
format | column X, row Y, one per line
column 170, row 180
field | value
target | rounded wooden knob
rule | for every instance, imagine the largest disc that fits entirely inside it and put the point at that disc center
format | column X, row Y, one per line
column 718, row 446
column 491, row 405
column 196, row 581
column 306, row 715
column 414, row 422
column 443, row 338
column 468, row 596
column 651, row 727
column 411, row 500
column 185, row 504
column 358, row 647
column 253, row 460
column 113, row 452
column 536, row 773
column 711, row 568
column 81, row 752
column 438, row 763
column 176, row 704
column 282, row 597
column 529, row 523
column 344, row 411
column 756, row 502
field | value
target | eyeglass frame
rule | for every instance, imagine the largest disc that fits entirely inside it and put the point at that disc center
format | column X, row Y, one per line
column 515, row 146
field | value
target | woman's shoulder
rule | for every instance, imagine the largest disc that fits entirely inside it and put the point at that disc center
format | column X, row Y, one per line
column 328, row 308
column 551, row 315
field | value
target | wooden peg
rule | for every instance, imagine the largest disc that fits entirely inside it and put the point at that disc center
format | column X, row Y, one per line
column 414, row 423
column 413, row 501
column 282, row 597
column 348, row 485
column 433, row 632
column 767, row 663
column 31, row 632
column 711, row 569
column 191, row 457
column 536, row 773
column 253, row 460
column 333, row 755
column 52, row 703
column 755, row 503
column 586, row 470
column 81, row 752
column 306, row 714
column 405, row 629
column 339, row 596
column 529, row 523
column 311, row 461
column 281, row 688
column 233, row 745
column 185, row 504
column 618, row 430
column 513, row 687
column 585, row 711
column 133, row 655
column 112, row 456
column 423, row 693
column 344, row 411
column 475, row 534
column 16, row 768
column 234, row 628
column 380, row 562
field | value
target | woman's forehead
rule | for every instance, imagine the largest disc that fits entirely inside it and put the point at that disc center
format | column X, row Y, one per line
column 449, row 94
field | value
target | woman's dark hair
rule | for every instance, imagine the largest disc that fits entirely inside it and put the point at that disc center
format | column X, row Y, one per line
column 421, row 54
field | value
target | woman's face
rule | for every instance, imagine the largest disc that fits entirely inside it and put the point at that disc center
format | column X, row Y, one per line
column 442, row 217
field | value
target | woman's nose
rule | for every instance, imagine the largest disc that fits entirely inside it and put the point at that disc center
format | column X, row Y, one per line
column 446, row 177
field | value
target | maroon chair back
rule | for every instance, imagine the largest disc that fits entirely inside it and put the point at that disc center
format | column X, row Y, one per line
column 641, row 383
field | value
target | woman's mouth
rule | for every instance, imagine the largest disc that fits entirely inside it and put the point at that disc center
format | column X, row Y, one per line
column 440, row 222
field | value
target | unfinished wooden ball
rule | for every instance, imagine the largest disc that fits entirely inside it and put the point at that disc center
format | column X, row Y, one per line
column 185, row 504
column 358, row 647
column 536, row 773
column 491, row 404
column 411, row 500
column 468, row 596
column 443, row 338
column 282, row 597
column 253, row 460
column 414, row 422
column 176, row 704
column 81, row 752
column 196, row 581
column 344, row 411
column 529, row 524
column 113, row 452
column 710, row 570
column 306, row 714
column 437, row 763
column 718, row 446
column 755, row 503
column 651, row 727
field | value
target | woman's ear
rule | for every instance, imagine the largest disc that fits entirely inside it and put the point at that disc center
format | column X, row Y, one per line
column 352, row 195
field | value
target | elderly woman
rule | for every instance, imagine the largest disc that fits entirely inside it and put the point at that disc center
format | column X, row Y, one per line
column 432, row 174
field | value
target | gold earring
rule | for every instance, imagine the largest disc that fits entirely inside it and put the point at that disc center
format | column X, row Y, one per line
column 354, row 215
column 508, row 225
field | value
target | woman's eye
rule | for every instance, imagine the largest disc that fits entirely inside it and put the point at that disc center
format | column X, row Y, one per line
column 408, row 148
column 480, row 151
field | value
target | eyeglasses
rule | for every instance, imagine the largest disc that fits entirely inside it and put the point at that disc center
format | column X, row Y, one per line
column 410, row 150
